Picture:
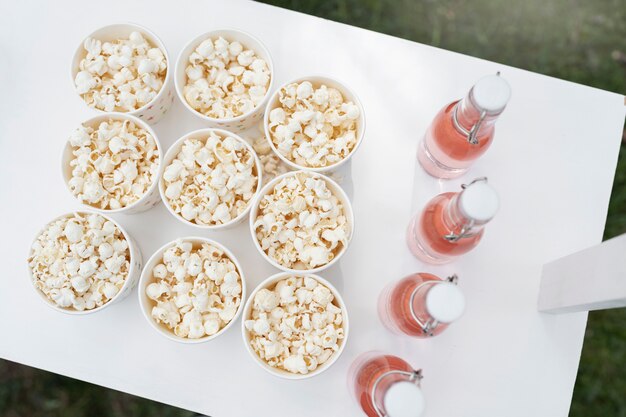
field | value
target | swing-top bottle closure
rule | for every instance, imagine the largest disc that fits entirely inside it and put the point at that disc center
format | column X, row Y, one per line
column 489, row 96
column 445, row 303
column 478, row 203
column 404, row 398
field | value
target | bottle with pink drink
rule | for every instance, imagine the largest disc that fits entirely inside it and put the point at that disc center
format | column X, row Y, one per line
column 386, row 386
column 463, row 130
column 452, row 223
column 421, row 305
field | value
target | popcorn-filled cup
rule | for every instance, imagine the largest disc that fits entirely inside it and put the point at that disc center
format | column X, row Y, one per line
column 340, row 168
column 153, row 111
column 132, row 279
column 241, row 122
column 335, row 189
column 151, row 198
column 247, row 314
column 147, row 304
column 202, row 134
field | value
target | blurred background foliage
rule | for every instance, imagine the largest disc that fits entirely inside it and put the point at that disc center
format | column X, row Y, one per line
column 577, row 40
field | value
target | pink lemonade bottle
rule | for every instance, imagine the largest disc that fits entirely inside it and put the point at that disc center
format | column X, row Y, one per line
column 452, row 224
column 421, row 305
column 463, row 130
column 386, row 386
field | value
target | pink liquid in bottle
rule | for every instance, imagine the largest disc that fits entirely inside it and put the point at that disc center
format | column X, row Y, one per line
column 386, row 385
column 452, row 224
column 463, row 130
column 421, row 305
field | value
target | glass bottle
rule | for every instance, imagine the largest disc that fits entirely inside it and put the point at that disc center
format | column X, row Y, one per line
column 421, row 305
column 386, row 385
column 463, row 130
column 452, row 224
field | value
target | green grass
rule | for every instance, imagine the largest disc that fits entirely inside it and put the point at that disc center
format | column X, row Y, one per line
column 28, row 392
column 580, row 41
column 573, row 40
column 600, row 388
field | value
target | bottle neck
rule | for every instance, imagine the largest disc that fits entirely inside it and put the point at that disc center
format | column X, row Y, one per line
column 468, row 116
column 385, row 381
column 419, row 308
column 459, row 225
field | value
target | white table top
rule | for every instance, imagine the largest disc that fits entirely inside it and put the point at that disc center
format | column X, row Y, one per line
column 552, row 160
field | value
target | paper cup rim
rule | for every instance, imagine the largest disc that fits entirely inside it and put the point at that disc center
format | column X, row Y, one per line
column 348, row 212
column 68, row 311
column 147, row 271
column 320, row 79
column 279, row 372
column 144, row 31
column 182, row 56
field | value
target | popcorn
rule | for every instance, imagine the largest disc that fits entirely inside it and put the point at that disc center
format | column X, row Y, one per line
column 123, row 75
column 113, row 164
column 212, row 180
column 196, row 290
column 68, row 268
column 313, row 126
column 296, row 334
column 224, row 80
column 300, row 224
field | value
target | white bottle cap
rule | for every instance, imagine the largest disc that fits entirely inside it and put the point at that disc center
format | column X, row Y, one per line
column 491, row 93
column 404, row 399
column 479, row 201
column 445, row 302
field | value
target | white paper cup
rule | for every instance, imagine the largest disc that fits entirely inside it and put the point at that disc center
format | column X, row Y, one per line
column 317, row 81
column 334, row 188
column 146, row 278
column 202, row 134
column 151, row 198
column 248, row 41
column 247, row 314
column 153, row 111
column 131, row 280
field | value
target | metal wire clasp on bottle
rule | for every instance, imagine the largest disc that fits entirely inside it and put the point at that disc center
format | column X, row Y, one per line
column 414, row 376
column 472, row 134
column 467, row 227
column 429, row 327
